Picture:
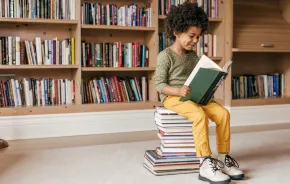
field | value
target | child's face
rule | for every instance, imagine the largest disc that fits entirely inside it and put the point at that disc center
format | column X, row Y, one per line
column 190, row 38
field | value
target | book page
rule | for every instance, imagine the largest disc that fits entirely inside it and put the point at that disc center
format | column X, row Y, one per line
column 204, row 62
column 227, row 66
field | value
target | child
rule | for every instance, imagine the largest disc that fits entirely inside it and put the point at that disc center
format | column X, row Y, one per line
column 184, row 25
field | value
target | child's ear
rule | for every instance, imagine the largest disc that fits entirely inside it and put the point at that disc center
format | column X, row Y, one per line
column 176, row 34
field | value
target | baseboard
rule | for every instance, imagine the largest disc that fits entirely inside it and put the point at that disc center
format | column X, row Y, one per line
column 82, row 124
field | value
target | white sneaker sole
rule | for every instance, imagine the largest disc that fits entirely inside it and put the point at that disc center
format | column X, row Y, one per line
column 213, row 182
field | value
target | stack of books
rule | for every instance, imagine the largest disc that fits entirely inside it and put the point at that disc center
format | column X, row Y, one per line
column 176, row 153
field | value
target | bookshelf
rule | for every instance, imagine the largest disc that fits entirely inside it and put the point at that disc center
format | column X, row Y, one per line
column 238, row 36
column 260, row 49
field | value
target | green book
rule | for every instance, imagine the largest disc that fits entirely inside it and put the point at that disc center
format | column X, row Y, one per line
column 204, row 80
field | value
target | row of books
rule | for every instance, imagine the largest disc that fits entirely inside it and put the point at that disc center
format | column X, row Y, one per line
column 37, row 92
column 176, row 153
column 110, row 14
column 207, row 44
column 163, row 41
column 270, row 85
column 46, row 9
column 115, row 54
column 114, row 89
column 14, row 51
column 209, row 6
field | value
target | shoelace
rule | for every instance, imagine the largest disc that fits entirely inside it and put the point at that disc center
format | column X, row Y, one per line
column 229, row 162
column 214, row 163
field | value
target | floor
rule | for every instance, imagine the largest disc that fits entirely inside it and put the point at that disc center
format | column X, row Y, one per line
column 264, row 156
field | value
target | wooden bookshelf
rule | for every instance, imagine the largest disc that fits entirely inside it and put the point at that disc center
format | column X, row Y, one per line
column 162, row 17
column 38, row 110
column 121, row 28
column 121, row 69
column 37, row 21
column 37, row 67
column 260, row 101
column 260, row 50
column 62, row 29
column 259, row 45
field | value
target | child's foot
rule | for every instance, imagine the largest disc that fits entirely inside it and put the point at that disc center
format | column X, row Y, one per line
column 209, row 171
column 231, row 167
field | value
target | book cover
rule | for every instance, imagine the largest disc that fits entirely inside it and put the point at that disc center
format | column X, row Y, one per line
column 204, row 80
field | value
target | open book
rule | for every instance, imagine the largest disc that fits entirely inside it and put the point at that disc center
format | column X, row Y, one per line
column 204, row 80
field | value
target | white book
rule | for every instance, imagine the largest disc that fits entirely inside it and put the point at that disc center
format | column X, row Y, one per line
column 172, row 121
column 10, row 50
column 206, row 62
column 163, row 110
column 18, row 93
column 187, row 150
column 180, row 137
column 26, row 92
column 174, row 125
column 59, row 91
column 67, row 90
column 177, row 145
column 168, row 141
column 144, row 93
column 17, row 38
column 177, row 133
column 266, row 85
column 15, row 99
column 175, row 129
column 169, row 116
column 38, row 50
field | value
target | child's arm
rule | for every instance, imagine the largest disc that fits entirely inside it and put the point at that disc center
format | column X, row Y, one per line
column 173, row 91
column 161, row 78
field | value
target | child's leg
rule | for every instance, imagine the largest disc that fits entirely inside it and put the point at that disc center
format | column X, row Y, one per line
column 221, row 117
column 200, row 122
column 209, row 170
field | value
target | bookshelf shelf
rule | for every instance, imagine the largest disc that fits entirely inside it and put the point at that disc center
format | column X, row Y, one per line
column 48, row 29
column 260, row 101
column 162, row 17
column 216, row 58
column 129, row 28
column 38, row 21
column 36, row 110
column 259, row 50
column 121, row 69
column 37, row 67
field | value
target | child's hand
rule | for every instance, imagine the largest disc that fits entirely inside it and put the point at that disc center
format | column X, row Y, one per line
column 184, row 91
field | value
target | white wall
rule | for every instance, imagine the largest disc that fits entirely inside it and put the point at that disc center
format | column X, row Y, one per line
column 56, row 125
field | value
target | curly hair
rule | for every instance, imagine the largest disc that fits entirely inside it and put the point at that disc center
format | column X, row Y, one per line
column 183, row 16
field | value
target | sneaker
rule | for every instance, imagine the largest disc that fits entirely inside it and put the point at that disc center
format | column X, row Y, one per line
column 209, row 171
column 231, row 167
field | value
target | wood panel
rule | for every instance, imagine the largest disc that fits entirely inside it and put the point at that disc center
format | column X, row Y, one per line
column 29, row 32
column 26, row 21
column 259, row 25
column 257, row 63
column 17, row 111
column 284, row 6
column 260, row 101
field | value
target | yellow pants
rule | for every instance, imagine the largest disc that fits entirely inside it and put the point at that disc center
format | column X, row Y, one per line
column 199, row 115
